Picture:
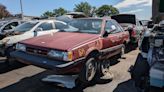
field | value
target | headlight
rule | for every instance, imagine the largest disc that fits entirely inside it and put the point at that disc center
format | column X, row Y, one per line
column 21, row 47
column 66, row 56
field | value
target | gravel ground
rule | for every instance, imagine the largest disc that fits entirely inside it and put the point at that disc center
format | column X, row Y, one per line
column 22, row 78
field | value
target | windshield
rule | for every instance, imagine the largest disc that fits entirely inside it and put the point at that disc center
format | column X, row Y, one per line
column 25, row 26
column 92, row 26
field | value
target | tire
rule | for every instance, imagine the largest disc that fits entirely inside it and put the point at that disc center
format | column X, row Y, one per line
column 103, row 71
column 140, row 73
column 89, row 70
column 103, row 67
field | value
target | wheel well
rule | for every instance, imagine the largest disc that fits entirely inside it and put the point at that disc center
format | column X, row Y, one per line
column 94, row 53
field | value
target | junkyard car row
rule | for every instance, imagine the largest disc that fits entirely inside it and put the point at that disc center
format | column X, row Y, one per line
column 83, row 46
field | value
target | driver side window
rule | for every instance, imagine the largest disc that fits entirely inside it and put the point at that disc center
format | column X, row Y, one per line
column 108, row 26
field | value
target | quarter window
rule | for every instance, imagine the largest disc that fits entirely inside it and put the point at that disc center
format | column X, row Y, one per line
column 108, row 26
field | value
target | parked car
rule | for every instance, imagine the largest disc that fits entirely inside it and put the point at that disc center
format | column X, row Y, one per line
column 81, row 50
column 130, row 23
column 8, row 26
column 148, row 24
column 149, row 67
column 28, row 30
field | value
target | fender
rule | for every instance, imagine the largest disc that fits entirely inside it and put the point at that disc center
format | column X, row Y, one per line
column 91, row 50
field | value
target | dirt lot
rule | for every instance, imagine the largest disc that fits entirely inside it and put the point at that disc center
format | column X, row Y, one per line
column 21, row 78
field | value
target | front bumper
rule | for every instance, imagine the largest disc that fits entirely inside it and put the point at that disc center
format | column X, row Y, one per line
column 59, row 67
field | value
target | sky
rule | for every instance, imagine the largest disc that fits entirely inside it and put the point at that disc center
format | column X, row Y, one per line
column 142, row 8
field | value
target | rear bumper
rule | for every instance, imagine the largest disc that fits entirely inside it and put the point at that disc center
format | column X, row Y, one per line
column 59, row 67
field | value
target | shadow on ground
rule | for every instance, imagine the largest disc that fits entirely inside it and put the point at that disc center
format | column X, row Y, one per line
column 4, row 67
column 128, row 86
column 34, row 84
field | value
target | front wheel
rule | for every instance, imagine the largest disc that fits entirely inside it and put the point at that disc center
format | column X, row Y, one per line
column 89, row 70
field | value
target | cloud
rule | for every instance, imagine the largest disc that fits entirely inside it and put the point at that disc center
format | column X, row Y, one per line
column 133, row 11
column 128, row 3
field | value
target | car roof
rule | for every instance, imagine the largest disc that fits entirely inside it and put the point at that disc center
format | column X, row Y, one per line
column 123, row 14
column 96, row 18
column 45, row 20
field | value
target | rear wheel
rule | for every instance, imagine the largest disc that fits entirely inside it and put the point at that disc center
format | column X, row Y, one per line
column 103, row 71
column 123, row 48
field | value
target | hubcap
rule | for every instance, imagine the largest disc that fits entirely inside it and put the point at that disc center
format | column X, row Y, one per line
column 91, row 71
column 105, row 67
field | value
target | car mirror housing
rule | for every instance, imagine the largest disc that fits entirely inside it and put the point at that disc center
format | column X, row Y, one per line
column 105, row 34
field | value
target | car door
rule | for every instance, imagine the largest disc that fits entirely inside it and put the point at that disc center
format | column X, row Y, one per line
column 120, row 33
column 44, row 28
column 111, row 39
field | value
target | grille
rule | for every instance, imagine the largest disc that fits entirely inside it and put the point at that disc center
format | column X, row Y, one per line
column 37, row 51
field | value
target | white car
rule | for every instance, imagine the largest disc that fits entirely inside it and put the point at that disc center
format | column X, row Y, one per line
column 8, row 26
column 29, row 30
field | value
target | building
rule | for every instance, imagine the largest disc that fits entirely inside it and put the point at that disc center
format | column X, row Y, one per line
column 158, row 10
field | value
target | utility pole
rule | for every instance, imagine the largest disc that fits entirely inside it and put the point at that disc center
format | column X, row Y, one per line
column 21, row 9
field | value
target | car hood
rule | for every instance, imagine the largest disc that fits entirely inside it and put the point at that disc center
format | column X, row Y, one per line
column 61, row 40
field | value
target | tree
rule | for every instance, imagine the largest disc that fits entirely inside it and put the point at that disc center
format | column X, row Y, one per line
column 84, row 7
column 4, row 12
column 48, row 14
column 60, row 11
column 106, row 10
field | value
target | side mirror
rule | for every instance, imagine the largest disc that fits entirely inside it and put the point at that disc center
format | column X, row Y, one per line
column 38, row 29
column 105, row 34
